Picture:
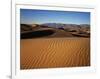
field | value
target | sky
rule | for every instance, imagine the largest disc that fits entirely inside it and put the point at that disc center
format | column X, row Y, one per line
column 33, row 16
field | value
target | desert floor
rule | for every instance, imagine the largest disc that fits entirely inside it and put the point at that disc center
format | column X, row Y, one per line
column 54, row 52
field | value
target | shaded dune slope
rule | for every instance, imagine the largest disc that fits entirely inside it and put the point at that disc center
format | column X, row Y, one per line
column 45, row 32
column 35, row 34
column 55, row 52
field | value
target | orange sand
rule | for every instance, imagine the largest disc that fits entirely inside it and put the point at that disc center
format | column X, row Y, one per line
column 54, row 52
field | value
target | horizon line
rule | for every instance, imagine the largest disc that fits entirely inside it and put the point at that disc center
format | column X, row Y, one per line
column 54, row 23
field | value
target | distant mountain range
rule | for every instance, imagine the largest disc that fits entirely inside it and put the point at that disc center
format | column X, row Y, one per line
column 58, row 25
column 68, row 26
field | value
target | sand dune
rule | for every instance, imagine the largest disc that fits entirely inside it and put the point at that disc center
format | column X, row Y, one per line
column 45, row 32
column 36, row 34
column 37, row 31
column 54, row 52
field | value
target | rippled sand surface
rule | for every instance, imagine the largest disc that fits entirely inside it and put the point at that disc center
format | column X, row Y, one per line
column 54, row 52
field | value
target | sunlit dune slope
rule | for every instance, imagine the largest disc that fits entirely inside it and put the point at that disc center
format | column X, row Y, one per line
column 54, row 52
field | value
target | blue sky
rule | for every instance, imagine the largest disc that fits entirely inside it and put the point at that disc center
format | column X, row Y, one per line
column 31, row 16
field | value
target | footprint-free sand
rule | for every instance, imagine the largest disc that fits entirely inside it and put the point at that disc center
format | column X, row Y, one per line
column 54, row 52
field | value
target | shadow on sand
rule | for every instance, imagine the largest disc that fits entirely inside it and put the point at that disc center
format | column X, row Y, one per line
column 36, row 34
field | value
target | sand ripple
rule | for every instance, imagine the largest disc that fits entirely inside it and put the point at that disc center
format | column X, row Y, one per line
column 54, row 52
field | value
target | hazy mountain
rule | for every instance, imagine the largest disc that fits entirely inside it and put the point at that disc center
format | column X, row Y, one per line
column 58, row 25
